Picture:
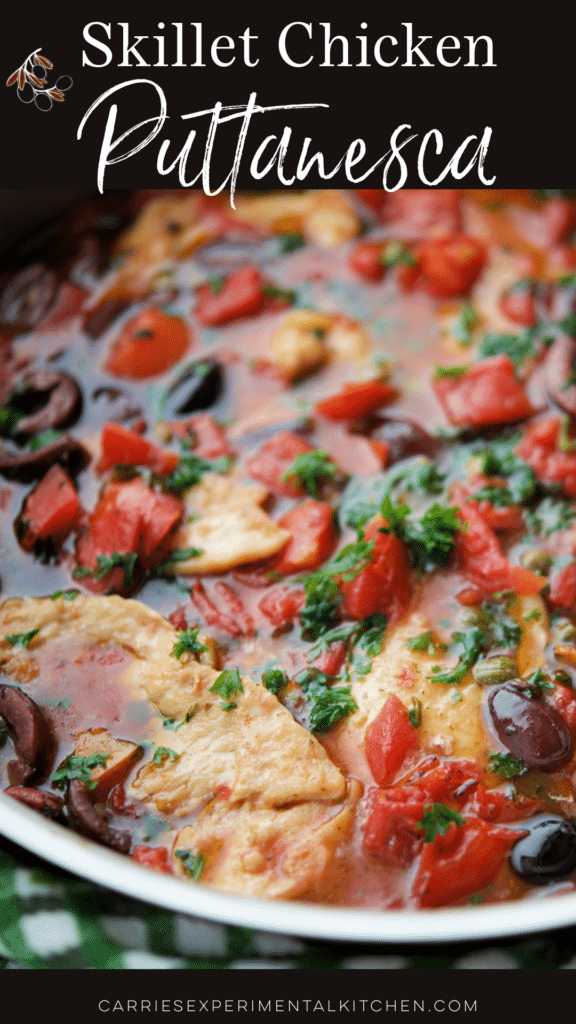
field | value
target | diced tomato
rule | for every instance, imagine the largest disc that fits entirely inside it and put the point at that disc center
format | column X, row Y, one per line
column 487, row 392
column 484, row 562
column 391, row 832
column 366, row 260
column 563, row 586
column 462, row 862
column 496, row 806
column 212, row 615
column 235, row 607
column 121, row 447
column 441, row 781
column 51, row 509
column 313, row 538
column 499, row 517
column 281, row 605
column 373, row 197
column 159, row 516
column 564, row 700
column 241, row 294
column 355, row 400
column 209, row 437
column 519, row 303
column 149, row 344
column 152, row 857
column 539, row 448
column 414, row 212
column 129, row 518
column 331, row 661
column 448, row 266
column 273, row 460
column 389, row 738
column 384, row 585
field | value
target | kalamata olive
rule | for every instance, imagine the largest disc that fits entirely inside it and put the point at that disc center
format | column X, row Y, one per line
column 33, row 742
column 529, row 728
column 26, row 466
column 197, row 388
column 301, row 425
column 403, row 438
column 48, row 804
column 547, row 853
column 98, row 320
column 559, row 368
column 224, row 257
column 59, row 399
column 84, row 818
column 28, row 296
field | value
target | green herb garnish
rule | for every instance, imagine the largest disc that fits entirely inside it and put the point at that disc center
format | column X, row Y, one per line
column 310, row 469
column 164, row 754
column 187, row 642
column 227, row 685
column 274, row 679
column 193, row 863
column 75, row 767
column 21, row 639
column 506, row 765
column 105, row 563
column 436, row 821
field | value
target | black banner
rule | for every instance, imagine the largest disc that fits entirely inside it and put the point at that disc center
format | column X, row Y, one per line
column 364, row 995
column 301, row 95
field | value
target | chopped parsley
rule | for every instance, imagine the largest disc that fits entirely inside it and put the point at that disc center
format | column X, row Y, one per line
column 465, row 324
column 216, row 284
column 227, row 685
column 187, row 642
column 437, row 820
column 470, row 646
column 175, row 556
column 420, row 476
column 193, row 863
column 449, row 371
column 66, row 595
column 506, row 765
column 274, row 679
column 21, row 639
column 44, row 438
column 518, row 347
column 323, row 597
column 538, row 683
column 164, row 754
column 326, row 705
column 188, row 472
column 503, row 630
column 288, row 241
column 310, row 469
column 272, row 291
column 430, row 538
column 75, row 767
column 424, row 643
column 173, row 724
column 415, row 713
column 105, row 563
column 395, row 254
column 550, row 515
column 501, row 460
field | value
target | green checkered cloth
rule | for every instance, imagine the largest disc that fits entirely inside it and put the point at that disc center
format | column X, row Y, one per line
column 49, row 919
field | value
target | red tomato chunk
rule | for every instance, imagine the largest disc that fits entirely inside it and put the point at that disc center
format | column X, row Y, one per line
column 122, row 447
column 148, row 345
column 51, row 509
column 313, row 538
column 384, row 585
column 539, row 448
column 488, row 392
column 356, row 400
column 239, row 295
column 483, row 561
column 389, row 739
column 447, row 267
column 273, row 460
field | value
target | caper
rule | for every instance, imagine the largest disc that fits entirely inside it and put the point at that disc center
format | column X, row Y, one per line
column 564, row 678
column 536, row 560
column 495, row 671
column 565, row 630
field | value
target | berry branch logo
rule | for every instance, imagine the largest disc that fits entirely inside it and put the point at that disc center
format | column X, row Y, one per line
column 32, row 83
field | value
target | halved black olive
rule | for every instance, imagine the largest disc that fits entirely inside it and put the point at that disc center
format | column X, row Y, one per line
column 547, row 853
column 84, row 818
column 59, row 399
column 47, row 804
column 403, row 438
column 33, row 741
column 98, row 320
column 197, row 388
column 300, row 425
column 31, row 465
column 529, row 728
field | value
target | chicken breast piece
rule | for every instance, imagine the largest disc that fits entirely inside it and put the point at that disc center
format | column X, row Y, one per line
column 306, row 340
column 325, row 217
column 255, row 852
column 452, row 728
column 228, row 526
